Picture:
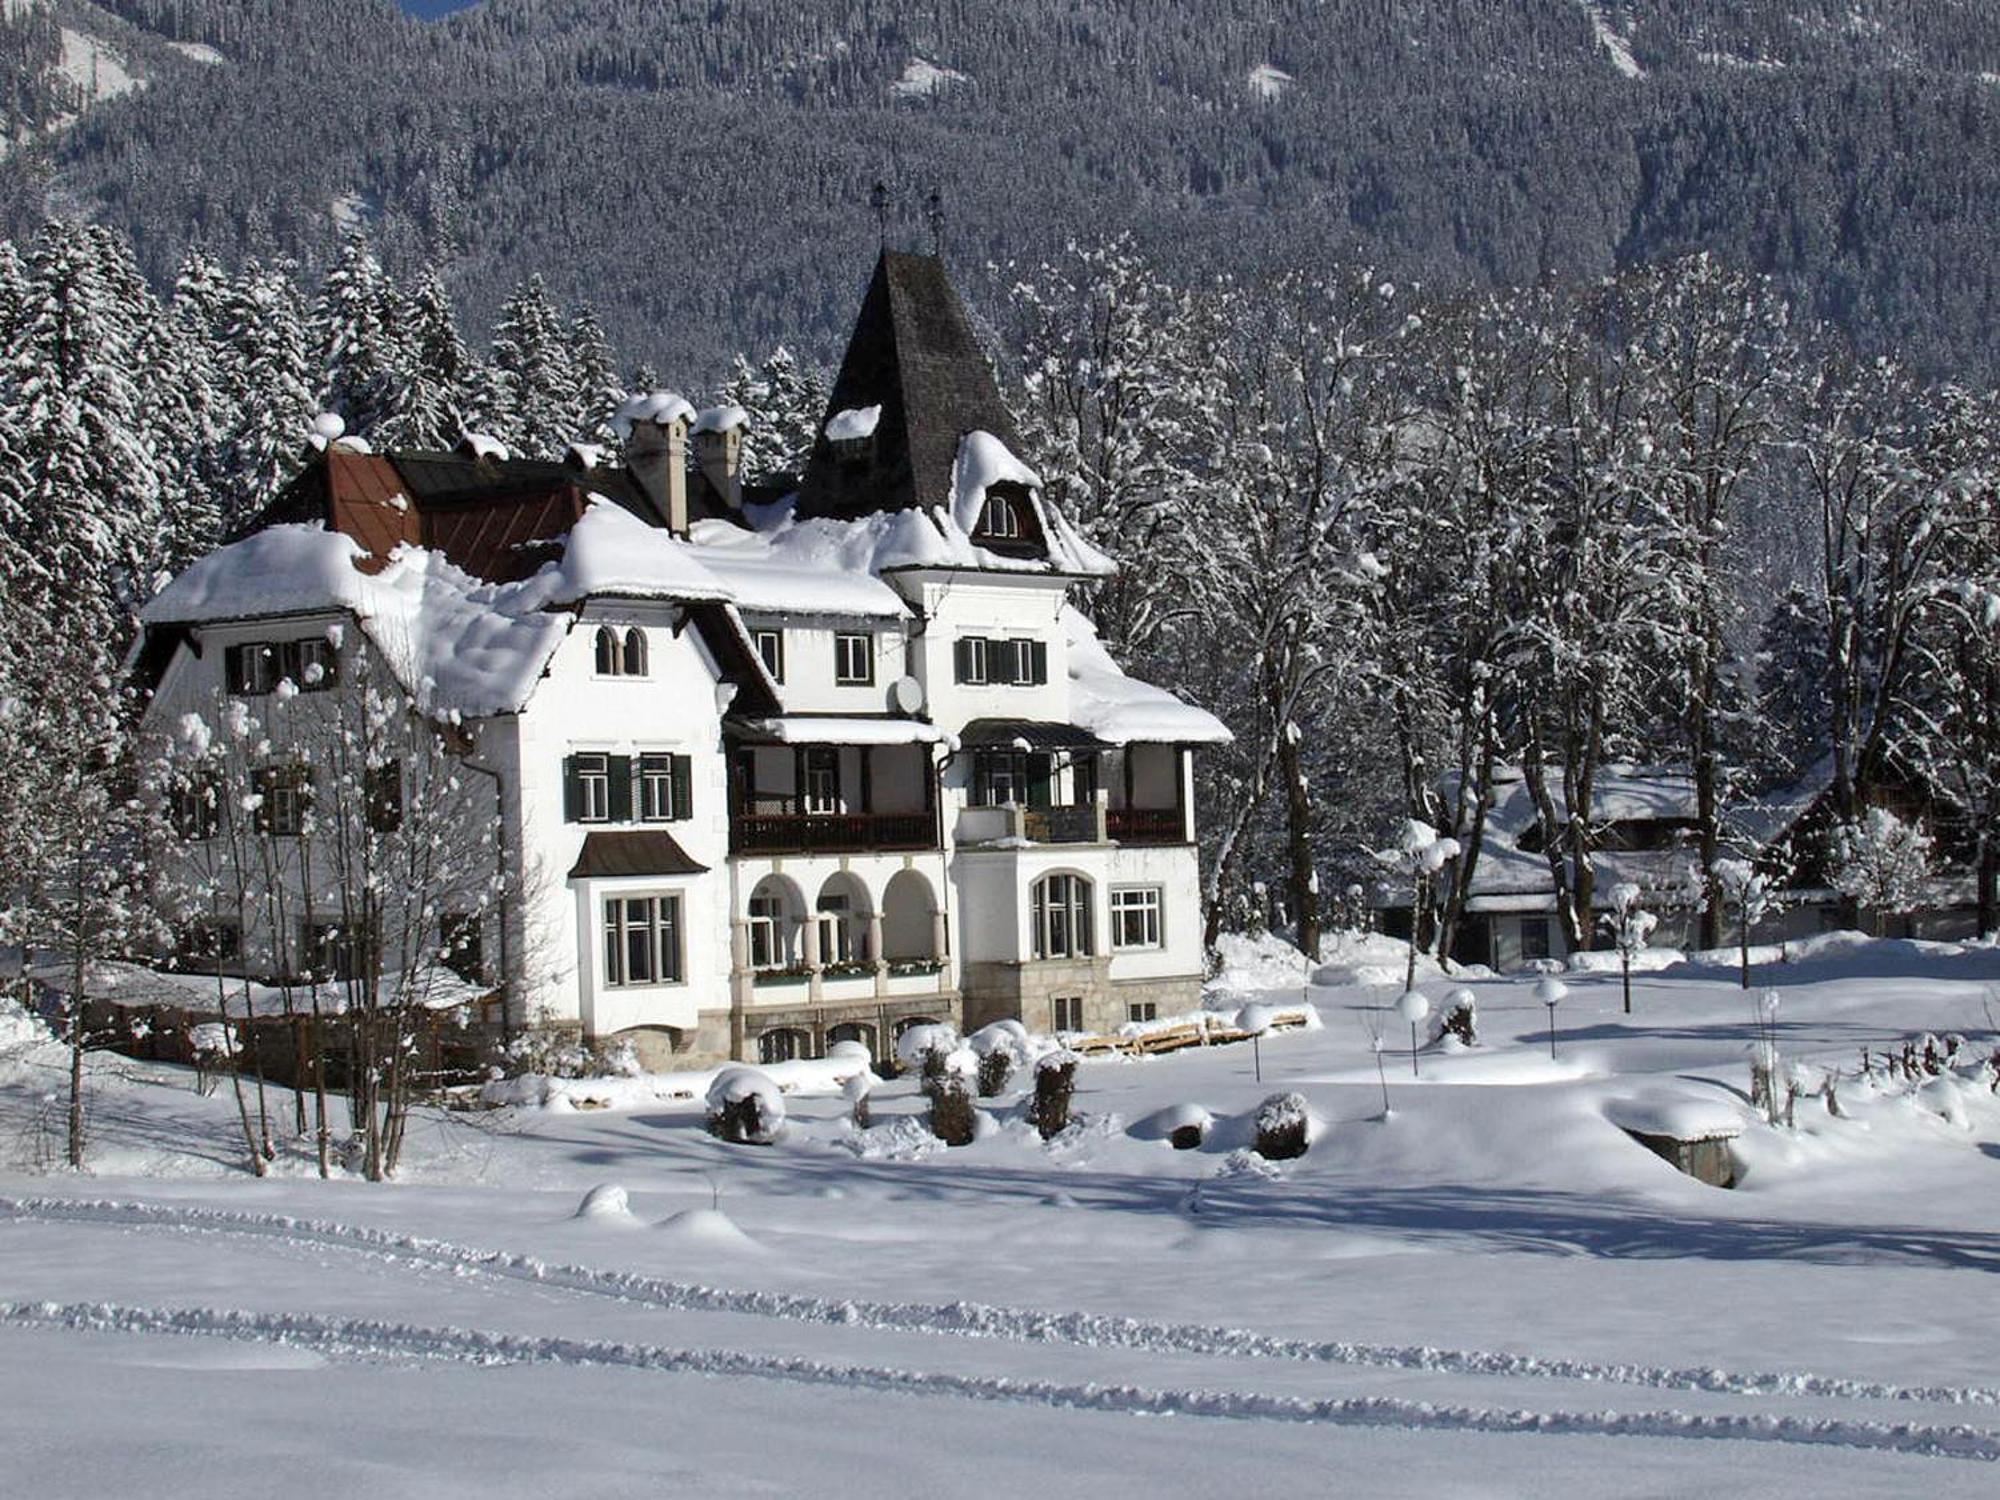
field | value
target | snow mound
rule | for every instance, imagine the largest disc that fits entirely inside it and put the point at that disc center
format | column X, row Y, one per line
column 1268, row 81
column 853, row 423
column 19, row 1029
column 606, row 1203
column 1247, row 1163
column 914, row 1043
column 922, row 78
column 1122, row 710
column 1683, row 1117
column 708, row 1229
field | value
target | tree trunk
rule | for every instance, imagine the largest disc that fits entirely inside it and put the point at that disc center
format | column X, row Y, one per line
column 1298, row 831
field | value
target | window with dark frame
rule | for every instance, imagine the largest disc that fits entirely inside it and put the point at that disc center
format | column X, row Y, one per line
column 821, row 790
column 853, row 658
column 1534, row 938
column 1142, row 1010
column 633, row 660
column 610, row 659
column 284, row 796
column 768, row 948
column 1067, row 1012
column 591, row 778
column 969, row 653
column 656, row 789
column 383, row 797
column 255, row 668
column 642, row 940
column 1000, row 518
column 770, row 643
column 194, row 809
column 1015, row 662
column 208, row 942
column 1135, row 916
column 334, row 950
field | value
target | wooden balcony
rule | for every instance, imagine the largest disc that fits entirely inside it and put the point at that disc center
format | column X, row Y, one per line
column 831, row 833
column 1145, row 825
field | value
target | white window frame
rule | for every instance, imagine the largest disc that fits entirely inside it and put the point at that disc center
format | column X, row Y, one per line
column 770, row 947
column 1146, row 904
column 770, row 643
column 593, row 786
column 853, row 658
column 656, row 788
column 1066, row 911
column 654, row 920
column 839, row 943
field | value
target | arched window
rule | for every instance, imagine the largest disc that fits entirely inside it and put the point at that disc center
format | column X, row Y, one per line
column 1062, row 917
column 852, row 1031
column 608, row 656
column 786, row 1044
column 635, row 652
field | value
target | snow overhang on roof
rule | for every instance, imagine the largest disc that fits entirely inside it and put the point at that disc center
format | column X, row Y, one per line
column 1122, row 710
column 836, row 729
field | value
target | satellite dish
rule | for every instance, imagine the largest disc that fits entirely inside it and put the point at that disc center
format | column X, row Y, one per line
column 907, row 694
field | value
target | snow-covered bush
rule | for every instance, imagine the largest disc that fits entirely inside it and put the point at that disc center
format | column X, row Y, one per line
column 953, row 1119
column 923, row 1048
column 995, row 1068
column 856, row 1091
column 1055, row 1088
column 1187, row 1126
column 1881, row 862
column 745, row 1107
column 1458, row 1016
column 1284, row 1127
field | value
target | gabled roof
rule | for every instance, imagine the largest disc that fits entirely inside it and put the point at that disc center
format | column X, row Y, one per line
column 913, row 354
column 497, row 518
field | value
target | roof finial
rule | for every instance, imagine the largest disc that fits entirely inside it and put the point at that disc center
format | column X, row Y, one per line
column 878, row 199
column 934, row 216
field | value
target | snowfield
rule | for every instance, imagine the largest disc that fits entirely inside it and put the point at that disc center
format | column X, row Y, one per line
column 1491, row 1290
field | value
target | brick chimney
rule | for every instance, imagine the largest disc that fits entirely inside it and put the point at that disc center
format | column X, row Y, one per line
column 718, row 452
column 654, row 429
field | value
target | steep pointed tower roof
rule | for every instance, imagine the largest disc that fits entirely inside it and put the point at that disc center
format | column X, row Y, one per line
column 914, row 356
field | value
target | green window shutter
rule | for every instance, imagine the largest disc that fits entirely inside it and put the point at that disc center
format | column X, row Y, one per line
column 683, row 772
column 1038, row 652
column 961, row 657
column 1039, row 780
column 572, row 792
column 621, row 788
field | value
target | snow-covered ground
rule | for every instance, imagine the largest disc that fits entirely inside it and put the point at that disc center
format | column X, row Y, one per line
column 1491, row 1291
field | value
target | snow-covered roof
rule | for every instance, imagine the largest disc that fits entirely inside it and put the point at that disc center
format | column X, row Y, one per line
column 1122, row 710
column 460, row 646
column 798, row 567
column 833, row 729
column 611, row 553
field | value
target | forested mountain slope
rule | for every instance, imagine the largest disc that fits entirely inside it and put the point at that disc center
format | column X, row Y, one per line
column 700, row 168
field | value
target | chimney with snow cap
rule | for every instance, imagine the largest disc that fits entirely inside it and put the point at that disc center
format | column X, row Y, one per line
column 718, row 452
column 654, row 430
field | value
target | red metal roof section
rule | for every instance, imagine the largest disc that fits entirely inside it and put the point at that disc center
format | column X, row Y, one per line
column 504, row 537
column 366, row 500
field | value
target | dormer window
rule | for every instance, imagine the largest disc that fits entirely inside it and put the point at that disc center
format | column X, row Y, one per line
column 621, row 655
column 1006, row 520
column 1000, row 519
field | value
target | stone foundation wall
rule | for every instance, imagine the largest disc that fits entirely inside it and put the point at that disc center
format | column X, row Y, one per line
column 708, row 1044
column 1027, row 992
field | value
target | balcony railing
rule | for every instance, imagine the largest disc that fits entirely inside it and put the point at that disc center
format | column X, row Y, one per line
column 830, row 833
column 1145, row 825
column 1062, row 825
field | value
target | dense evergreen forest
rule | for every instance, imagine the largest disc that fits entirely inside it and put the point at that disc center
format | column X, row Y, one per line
column 700, row 169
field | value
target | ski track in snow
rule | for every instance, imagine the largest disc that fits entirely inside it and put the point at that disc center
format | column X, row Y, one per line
column 363, row 1338
column 1011, row 1324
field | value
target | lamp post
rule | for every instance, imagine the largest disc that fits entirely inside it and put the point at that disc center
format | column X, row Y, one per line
column 1255, row 1019
column 1413, row 1007
column 1550, row 992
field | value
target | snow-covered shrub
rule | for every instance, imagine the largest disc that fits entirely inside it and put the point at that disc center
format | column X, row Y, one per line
column 1881, row 862
column 995, row 1068
column 1187, row 1126
column 745, row 1107
column 1284, row 1127
column 1055, row 1088
column 1458, row 1017
column 953, row 1119
column 924, row 1048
